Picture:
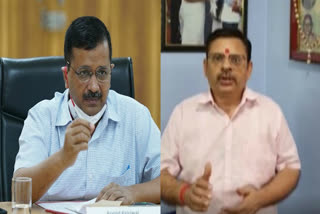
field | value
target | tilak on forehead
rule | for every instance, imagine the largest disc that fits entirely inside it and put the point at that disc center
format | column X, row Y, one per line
column 226, row 51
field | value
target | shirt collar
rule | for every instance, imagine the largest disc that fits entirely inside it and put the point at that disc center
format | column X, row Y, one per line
column 111, row 107
column 248, row 95
column 64, row 117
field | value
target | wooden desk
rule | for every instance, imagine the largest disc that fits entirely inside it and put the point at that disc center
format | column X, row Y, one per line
column 34, row 210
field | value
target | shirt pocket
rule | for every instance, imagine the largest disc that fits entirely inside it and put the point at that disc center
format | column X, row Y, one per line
column 124, row 179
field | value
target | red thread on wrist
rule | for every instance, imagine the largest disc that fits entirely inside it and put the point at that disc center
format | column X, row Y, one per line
column 183, row 189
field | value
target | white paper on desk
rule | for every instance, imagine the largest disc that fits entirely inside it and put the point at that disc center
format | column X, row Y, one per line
column 66, row 207
column 124, row 209
column 76, row 206
column 105, row 203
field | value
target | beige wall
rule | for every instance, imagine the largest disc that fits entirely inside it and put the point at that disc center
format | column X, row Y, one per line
column 134, row 26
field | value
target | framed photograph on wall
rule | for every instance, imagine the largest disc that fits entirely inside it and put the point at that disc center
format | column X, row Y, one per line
column 305, row 30
column 185, row 24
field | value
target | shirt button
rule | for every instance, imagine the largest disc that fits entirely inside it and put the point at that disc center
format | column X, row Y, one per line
column 90, row 176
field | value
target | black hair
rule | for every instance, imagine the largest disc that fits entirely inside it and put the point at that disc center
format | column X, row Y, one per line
column 85, row 32
column 308, row 16
column 229, row 33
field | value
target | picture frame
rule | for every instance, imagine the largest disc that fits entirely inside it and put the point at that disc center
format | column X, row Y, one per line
column 305, row 30
column 186, row 24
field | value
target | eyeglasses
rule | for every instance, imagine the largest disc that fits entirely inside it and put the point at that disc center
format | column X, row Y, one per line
column 84, row 73
column 234, row 59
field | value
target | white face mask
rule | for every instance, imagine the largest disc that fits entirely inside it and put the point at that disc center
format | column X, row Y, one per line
column 76, row 112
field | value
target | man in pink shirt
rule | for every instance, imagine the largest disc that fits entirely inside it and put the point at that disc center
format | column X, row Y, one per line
column 229, row 150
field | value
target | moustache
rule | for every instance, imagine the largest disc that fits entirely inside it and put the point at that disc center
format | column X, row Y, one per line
column 91, row 95
column 226, row 74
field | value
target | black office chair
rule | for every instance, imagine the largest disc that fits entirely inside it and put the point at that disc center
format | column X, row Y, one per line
column 24, row 83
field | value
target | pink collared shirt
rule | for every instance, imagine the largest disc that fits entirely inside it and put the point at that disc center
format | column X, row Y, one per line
column 247, row 149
